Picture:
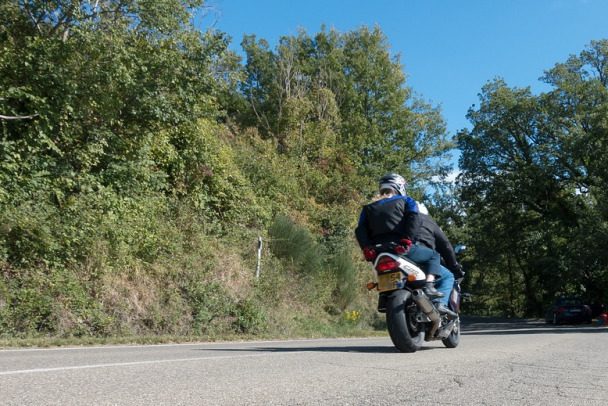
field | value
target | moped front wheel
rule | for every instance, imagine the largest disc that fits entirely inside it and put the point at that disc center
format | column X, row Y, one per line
column 405, row 331
column 453, row 339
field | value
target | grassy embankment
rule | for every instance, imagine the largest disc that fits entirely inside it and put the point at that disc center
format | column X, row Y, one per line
column 149, row 281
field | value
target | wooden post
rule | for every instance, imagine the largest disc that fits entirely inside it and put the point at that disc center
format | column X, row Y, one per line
column 257, row 268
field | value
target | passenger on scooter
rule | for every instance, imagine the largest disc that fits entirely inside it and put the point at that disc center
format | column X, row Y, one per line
column 432, row 236
column 394, row 217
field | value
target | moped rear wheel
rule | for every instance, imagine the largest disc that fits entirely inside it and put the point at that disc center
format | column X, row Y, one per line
column 406, row 332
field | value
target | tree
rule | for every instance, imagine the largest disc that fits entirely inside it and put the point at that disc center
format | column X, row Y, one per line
column 578, row 107
column 125, row 99
column 121, row 166
column 109, row 87
column 532, row 166
column 342, row 98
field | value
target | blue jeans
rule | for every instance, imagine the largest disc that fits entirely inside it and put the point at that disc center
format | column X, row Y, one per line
column 428, row 259
column 444, row 284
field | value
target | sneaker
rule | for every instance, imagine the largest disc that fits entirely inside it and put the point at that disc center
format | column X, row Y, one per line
column 444, row 310
column 431, row 292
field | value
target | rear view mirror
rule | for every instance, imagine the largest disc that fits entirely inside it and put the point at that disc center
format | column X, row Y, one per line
column 460, row 248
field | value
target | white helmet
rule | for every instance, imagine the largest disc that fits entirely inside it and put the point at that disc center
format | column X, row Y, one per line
column 422, row 208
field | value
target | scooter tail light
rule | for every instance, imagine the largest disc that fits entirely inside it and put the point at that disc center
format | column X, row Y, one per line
column 386, row 264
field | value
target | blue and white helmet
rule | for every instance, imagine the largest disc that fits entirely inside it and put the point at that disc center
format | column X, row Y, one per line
column 393, row 181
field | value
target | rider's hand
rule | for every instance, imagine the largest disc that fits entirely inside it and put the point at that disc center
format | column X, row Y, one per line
column 407, row 243
column 458, row 272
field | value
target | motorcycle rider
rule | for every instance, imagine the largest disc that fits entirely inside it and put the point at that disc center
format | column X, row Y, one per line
column 432, row 236
column 394, row 217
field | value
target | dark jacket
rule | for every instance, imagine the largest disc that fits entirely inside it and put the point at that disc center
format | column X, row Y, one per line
column 388, row 220
column 433, row 237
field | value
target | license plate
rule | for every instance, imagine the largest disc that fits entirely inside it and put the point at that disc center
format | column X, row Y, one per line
column 575, row 310
column 388, row 281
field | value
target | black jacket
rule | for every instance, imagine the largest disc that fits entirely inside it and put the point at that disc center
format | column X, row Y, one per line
column 388, row 220
column 432, row 236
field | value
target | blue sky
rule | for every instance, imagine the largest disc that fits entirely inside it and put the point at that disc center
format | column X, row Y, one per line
column 449, row 48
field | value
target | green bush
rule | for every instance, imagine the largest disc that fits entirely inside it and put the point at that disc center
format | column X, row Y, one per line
column 295, row 244
column 329, row 273
column 345, row 274
column 249, row 317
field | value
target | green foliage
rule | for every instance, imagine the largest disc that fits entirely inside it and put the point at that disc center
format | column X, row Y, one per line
column 345, row 274
column 103, row 89
column 208, row 303
column 339, row 103
column 327, row 270
column 249, row 317
column 48, row 301
column 139, row 160
column 295, row 244
column 532, row 166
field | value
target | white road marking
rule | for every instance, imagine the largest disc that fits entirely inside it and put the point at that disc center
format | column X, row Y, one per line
column 121, row 364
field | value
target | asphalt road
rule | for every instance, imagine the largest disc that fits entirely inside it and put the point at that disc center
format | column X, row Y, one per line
column 498, row 362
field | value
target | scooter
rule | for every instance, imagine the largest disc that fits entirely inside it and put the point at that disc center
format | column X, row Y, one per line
column 411, row 317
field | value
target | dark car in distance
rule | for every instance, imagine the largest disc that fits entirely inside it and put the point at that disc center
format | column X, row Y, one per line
column 568, row 310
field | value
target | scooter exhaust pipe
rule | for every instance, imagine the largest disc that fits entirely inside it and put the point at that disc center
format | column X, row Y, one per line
column 429, row 309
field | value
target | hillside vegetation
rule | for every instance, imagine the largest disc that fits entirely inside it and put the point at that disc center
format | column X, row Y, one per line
column 141, row 159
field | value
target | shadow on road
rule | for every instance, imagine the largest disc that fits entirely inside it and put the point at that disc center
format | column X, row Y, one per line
column 313, row 348
column 470, row 326
column 491, row 325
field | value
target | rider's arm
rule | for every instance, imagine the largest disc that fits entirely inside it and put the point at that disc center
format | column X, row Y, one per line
column 445, row 249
